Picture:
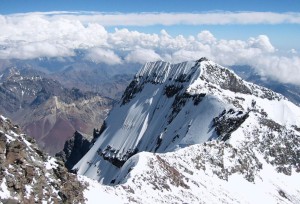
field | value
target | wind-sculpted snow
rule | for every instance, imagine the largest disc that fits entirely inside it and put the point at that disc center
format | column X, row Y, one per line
column 209, row 130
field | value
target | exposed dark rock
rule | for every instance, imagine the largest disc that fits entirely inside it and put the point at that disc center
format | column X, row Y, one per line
column 158, row 143
column 228, row 122
column 202, row 59
column 281, row 151
column 112, row 155
column 296, row 128
column 171, row 90
column 271, row 124
column 174, row 176
column 133, row 88
column 247, row 164
column 197, row 98
column 227, row 79
column 74, row 149
column 2, row 143
column 180, row 100
column 291, row 91
column 178, row 103
column 182, row 78
column 97, row 133
column 9, row 201
column 283, row 194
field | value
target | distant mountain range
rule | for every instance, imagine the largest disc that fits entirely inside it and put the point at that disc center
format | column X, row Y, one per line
column 106, row 80
column 52, row 98
column 47, row 110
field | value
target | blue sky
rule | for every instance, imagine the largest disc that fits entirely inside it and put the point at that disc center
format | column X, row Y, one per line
column 17, row 6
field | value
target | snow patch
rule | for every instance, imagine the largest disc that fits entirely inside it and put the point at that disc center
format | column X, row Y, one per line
column 51, row 163
column 3, row 118
column 9, row 138
column 4, row 192
column 96, row 193
column 28, row 189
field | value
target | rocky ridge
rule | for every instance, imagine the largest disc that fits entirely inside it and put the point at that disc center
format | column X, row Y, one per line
column 27, row 175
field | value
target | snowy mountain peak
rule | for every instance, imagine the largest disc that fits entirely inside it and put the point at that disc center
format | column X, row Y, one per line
column 195, row 77
column 172, row 106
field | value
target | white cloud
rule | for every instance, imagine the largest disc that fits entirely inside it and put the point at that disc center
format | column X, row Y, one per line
column 35, row 50
column 262, row 42
column 99, row 55
column 28, row 36
column 34, row 35
column 293, row 51
column 142, row 55
column 127, row 40
column 146, row 19
column 283, row 69
column 206, row 37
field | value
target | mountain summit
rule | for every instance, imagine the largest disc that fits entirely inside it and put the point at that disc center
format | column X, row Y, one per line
column 199, row 118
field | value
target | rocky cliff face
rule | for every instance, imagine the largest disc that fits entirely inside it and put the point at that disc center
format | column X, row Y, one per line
column 74, row 149
column 27, row 175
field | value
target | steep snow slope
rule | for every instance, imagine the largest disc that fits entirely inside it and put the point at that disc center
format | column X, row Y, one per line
column 171, row 106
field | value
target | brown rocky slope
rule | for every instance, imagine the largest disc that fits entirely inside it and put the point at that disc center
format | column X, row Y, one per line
column 27, row 175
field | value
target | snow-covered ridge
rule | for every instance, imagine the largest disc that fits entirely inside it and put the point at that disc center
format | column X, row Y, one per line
column 212, row 172
column 169, row 107
column 197, row 75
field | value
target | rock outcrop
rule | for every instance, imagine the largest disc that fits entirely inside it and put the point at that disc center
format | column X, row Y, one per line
column 27, row 175
column 74, row 149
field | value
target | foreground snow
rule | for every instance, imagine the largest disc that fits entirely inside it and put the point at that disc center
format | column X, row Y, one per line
column 96, row 193
column 176, row 178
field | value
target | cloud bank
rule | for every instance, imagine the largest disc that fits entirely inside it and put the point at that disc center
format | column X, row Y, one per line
column 30, row 36
column 148, row 19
